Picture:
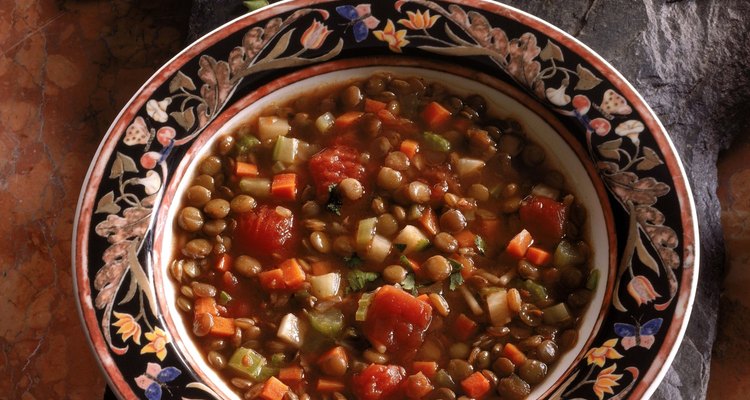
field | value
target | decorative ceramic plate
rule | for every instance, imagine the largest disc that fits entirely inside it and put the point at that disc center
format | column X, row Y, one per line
column 600, row 131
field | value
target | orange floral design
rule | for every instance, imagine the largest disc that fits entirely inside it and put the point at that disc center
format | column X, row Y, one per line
column 605, row 381
column 599, row 355
column 315, row 35
column 642, row 290
column 128, row 327
column 395, row 39
column 157, row 343
column 418, row 20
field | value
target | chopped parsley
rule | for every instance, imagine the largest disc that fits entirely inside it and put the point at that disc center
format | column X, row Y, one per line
column 410, row 284
column 358, row 279
column 481, row 244
column 353, row 261
column 334, row 202
column 455, row 279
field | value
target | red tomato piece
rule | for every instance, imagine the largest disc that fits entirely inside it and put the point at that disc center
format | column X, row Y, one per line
column 378, row 382
column 332, row 165
column 544, row 218
column 397, row 320
column 264, row 231
column 441, row 179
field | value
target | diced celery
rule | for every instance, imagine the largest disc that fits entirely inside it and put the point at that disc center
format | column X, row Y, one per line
column 248, row 363
column 253, row 5
column 365, row 233
column 436, row 142
column 556, row 314
column 544, row 190
column 567, row 255
column 363, row 305
column 286, row 150
column 497, row 307
column 467, row 167
column 257, row 187
column 592, row 280
column 538, row 292
column 324, row 122
column 272, row 127
column 379, row 249
column 224, row 298
column 290, row 330
column 412, row 238
column 325, row 286
column 330, row 323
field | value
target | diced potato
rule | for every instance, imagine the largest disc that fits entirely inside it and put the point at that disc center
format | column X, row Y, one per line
column 272, row 127
column 412, row 238
column 290, row 330
column 325, row 286
column 497, row 307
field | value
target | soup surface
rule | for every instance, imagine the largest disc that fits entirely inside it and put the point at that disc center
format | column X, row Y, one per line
column 381, row 239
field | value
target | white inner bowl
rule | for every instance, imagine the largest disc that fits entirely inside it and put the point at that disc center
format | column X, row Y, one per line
column 559, row 155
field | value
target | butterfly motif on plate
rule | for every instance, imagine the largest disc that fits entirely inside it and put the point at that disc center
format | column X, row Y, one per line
column 155, row 380
column 360, row 19
column 638, row 335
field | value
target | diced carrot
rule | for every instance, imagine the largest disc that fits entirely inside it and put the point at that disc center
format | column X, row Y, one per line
column 223, row 327
column 348, row 119
column 465, row 238
column 465, row 327
column 435, row 115
column 516, row 356
column 425, row 298
column 428, row 368
column 429, row 221
column 336, row 353
column 410, row 148
column 205, row 305
column 538, row 256
column 373, row 106
column 243, row 169
column 284, row 186
column 330, row 385
column 489, row 228
column 273, row 389
column 476, row 385
column 417, row 386
column 294, row 275
column 291, row 374
column 322, row 267
column 272, row 279
column 519, row 245
column 223, row 263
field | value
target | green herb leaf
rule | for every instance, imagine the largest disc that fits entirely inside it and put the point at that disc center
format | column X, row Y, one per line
column 334, row 200
column 358, row 279
column 410, row 284
column 224, row 298
column 353, row 261
column 245, row 144
column 456, row 280
column 481, row 244
column 400, row 246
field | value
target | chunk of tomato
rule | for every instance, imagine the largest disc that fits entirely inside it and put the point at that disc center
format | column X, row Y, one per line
column 544, row 218
column 264, row 232
column 332, row 165
column 378, row 382
column 397, row 320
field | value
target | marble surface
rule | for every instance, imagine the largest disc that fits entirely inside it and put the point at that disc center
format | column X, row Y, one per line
column 66, row 69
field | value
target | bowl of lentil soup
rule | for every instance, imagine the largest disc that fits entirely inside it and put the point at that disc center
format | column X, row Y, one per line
column 378, row 201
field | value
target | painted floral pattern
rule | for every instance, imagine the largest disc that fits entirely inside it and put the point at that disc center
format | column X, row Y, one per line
column 615, row 136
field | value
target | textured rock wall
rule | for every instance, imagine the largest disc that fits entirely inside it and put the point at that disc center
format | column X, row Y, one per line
column 691, row 62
